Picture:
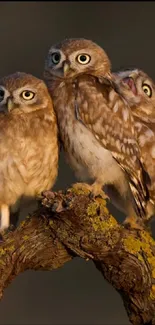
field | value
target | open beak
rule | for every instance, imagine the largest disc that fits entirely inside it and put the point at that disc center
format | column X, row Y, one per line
column 131, row 84
column 66, row 68
column 10, row 105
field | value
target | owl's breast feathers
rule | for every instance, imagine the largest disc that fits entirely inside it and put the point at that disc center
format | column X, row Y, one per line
column 28, row 153
column 104, row 112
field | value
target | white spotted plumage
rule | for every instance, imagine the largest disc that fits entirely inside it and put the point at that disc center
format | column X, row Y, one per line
column 93, row 122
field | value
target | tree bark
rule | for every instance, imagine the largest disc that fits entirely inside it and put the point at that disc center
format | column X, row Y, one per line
column 69, row 224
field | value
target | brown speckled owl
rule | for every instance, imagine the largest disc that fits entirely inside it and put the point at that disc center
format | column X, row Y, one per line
column 139, row 90
column 95, row 123
column 28, row 141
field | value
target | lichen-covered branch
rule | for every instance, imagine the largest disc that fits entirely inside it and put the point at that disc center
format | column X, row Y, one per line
column 69, row 224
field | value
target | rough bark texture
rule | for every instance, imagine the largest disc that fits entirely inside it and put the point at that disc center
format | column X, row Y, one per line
column 69, row 224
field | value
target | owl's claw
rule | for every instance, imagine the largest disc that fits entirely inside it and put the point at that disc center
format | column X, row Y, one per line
column 96, row 190
column 132, row 222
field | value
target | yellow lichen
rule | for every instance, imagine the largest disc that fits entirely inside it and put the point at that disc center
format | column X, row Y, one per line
column 92, row 208
column 22, row 224
column 79, row 191
column 151, row 260
column 140, row 257
column 147, row 237
column 152, row 292
column 10, row 248
column 51, row 222
column 2, row 252
column 99, row 224
column 132, row 245
column 22, row 248
column 26, row 237
column 153, row 274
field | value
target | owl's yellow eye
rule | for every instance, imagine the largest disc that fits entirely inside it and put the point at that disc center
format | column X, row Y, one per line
column 147, row 90
column 83, row 58
column 56, row 57
column 27, row 94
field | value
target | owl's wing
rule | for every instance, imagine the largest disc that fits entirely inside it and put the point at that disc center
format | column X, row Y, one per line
column 104, row 112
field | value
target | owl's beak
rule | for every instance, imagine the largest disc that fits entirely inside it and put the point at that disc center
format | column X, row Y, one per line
column 10, row 104
column 66, row 67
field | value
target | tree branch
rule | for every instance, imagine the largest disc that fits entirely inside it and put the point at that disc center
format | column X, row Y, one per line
column 69, row 224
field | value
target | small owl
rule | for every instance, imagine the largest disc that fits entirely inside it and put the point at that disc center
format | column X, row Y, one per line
column 95, row 123
column 139, row 91
column 28, row 141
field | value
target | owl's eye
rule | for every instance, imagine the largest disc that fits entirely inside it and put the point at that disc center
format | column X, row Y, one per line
column 27, row 94
column 147, row 90
column 56, row 57
column 83, row 58
column 1, row 94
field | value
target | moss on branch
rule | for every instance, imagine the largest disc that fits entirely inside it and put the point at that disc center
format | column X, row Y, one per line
column 69, row 224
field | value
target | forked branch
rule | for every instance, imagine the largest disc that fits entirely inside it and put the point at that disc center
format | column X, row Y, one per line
column 69, row 224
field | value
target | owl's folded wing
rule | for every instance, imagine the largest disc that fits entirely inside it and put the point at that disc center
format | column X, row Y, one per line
column 102, row 110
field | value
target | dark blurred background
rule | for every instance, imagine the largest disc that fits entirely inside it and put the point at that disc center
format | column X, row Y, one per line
column 76, row 293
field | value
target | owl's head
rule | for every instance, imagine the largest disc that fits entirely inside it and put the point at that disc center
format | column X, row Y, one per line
column 139, row 91
column 72, row 57
column 22, row 92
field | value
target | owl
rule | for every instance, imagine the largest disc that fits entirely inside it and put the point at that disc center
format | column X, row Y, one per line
column 96, row 124
column 28, row 142
column 139, row 91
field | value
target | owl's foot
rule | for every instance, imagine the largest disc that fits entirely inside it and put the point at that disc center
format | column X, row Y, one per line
column 96, row 190
column 81, row 188
column 133, row 223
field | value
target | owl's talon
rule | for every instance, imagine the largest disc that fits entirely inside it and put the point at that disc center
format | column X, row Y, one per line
column 96, row 190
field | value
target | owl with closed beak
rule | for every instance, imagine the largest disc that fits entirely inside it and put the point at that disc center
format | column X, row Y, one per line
column 28, row 142
column 95, row 124
column 139, row 91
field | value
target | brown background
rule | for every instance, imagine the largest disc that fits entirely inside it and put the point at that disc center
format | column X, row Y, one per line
column 77, row 293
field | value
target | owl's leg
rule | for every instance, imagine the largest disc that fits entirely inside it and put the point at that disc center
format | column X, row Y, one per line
column 121, row 196
column 132, row 220
column 5, row 217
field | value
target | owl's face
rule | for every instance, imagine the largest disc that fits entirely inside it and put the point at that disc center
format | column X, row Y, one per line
column 139, row 90
column 22, row 92
column 75, row 56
